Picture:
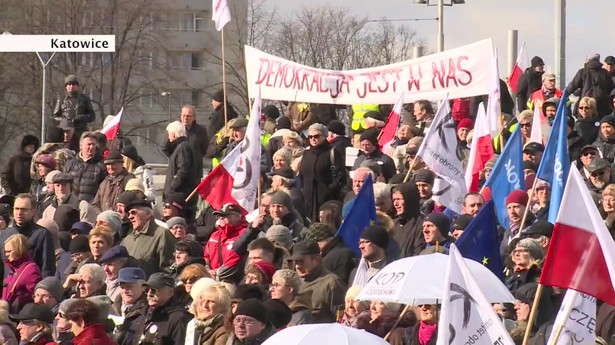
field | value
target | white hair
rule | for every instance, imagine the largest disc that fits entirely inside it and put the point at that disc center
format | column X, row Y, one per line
column 95, row 271
column 177, row 128
column 382, row 191
column 366, row 170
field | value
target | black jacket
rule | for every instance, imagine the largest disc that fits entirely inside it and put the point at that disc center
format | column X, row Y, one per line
column 338, row 259
column 529, row 82
column 125, row 333
column 15, row 176
column 170, row 321
column 606, row 148
column 409, row 225
column 182, row 174
column 75, row 108
column 87, row 176
column 385, row 162
column 216, row 120
column 341, row 143
column 198, row 140
column 588, row 129
column 594, row 81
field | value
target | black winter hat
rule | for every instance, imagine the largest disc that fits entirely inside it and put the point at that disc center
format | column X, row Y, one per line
column 462, row 221
column 271, row 111
column 5, row 212
column 371, row 134
column 54, row 135
column 540, row 227
column 281, row 198
column 278, row 313
column 609, row 60
column 529, row 165
column 30, row 139
column 286, row 172
column 424, row 175
column 610, row 119
column 526, row 292
column 537, row 61
column 132, row 153
column 254, row 308
column 127, row 197
column 178, row 200
column 282, row 122
column 79, row 244
column 114, row 156
column 218, row 96
column 441, row 221
column 336, row 127
column 377, row 235
column 248, row 291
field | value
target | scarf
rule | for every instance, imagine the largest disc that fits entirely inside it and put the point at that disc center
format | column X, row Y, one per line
column 426, row 332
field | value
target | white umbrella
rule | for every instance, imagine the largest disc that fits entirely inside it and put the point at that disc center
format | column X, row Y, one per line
column 324, row 334
column 420, row 280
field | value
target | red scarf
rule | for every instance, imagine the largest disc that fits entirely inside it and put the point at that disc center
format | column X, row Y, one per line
column 426, row 332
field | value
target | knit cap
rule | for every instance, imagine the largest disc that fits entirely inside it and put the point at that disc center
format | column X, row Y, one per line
column 280, row 235
column 281, row 198
column 319, row 231
column 441, row 221
column 253, row 308
column 112, row 219
column 517, row 196
column 424, row 175
column 376, row 235
column 51, row 285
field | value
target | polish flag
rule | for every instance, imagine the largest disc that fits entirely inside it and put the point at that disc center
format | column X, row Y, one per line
column 480, row 152
column 113, row 127
column 390, row 127
column 523, row 63
column 536, row 135
column 220, row 13
column 581, row 253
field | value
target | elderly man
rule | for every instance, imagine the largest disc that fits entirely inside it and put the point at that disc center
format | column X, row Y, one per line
column 600, row 176
column 588, row 154
column 436, row 228
column 75, row 110
column 285, row 286
column 281, row 208
column 532, row 152
column 547, row 91
column 370, row 151
column 358, row 178
column 87, row 168
column 182, row 175
column 123, row 200
column 151, row 245
column 327, row 289
column 165, row 320
column 250, row 323
column 113, row 184
column 134, row 303
column 336, row 256
column 472, row 203
column 63, row 195
column 49, row 292
column 90, row 281
column 541, row 232
column 197, row 138
column 516, row 202
column 112, row 262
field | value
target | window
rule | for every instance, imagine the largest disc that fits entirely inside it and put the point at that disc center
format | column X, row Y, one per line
column 196, row 98
column 196, row 61
column 192, row 21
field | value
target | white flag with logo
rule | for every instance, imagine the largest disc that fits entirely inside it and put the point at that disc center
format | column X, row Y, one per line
column 440, row 153
column 577, row 316
column 245, row 186
column 466, row 316
column 220, row 13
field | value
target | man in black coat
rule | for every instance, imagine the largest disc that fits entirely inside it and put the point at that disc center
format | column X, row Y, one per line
column 594, row 81
column 76, row 108
column 370, row 151
column 409, row 221
column 530, row 81
column 182, row 176
column 216, row 120
column 15, row 177
column 197, row 138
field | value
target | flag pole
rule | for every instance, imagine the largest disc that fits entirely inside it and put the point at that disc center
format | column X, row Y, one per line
column 530, row 321
column 191, row 195
column 410, row 170
column 224, row 77
column 401, row 316
column 567, row 312
column 527, row 208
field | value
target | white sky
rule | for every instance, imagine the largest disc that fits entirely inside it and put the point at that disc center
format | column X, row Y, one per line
column 589, row 24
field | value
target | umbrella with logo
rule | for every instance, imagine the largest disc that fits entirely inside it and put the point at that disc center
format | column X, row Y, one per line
column 324, row 334
column 420, row 280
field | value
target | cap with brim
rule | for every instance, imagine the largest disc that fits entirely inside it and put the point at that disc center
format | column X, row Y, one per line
column 159, row 280
column 303, row 248
column 533, row 147
column 597, row 164
column 239, row 123
column 32, row 311
column 228, row 209
column 66, row 124
column 62, row 178
column 283, row 172
column 130, row 275
column 117, row 252
column 586, row 147
column 540, row 227
column 138, row 204
column 114, row 157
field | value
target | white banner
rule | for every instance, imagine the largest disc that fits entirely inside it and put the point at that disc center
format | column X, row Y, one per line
column 577, row 315
column 56, row 43
column 466, row 316
column 439, row 152
column 462, row 72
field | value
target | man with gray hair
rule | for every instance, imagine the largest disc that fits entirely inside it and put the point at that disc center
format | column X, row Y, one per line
column 182, row 176
column 134, row 303
column 87, row 168
column 359, row 176
column 91, row 281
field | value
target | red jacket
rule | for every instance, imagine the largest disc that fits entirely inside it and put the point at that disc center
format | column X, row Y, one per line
column 19, row 284
column 538, row 99
column 93, row 335
column 224, row 238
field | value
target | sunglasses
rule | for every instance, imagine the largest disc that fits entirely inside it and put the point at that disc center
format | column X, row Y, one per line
column 590, row 153
column 525, row 125
column 315, row 136
column 190, row 280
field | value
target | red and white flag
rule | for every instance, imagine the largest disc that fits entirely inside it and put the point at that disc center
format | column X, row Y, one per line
column 217, row 186
column 581, row 253
column 523, row 63
column 481, row 150
column 220, row 13
column 390, row 127
column 113, row 127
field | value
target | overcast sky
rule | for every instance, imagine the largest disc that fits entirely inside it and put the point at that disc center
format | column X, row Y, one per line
column 589, row 24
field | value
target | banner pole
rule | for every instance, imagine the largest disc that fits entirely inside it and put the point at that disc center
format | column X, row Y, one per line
column 567, row 312
column 410, row 170
column 530, row 321
column 224, row 77
column 527, row 207
column 401, row 316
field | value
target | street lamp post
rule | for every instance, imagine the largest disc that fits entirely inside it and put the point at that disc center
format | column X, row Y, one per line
column 440, row 4
column 168, row 95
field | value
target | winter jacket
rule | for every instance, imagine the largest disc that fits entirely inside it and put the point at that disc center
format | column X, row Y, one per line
column 182, row 176
column 257, row 340
column 41, row 246
column 219, row 253
column 87, row 213
column 538, row 98
column 410, row 336
column 198, row 140
column 153, row 247
column 588, row 129
column 529, row 82
column 59, row 152
column 301, row 307
column 41, row 339
column 93, row 335
column 124, row 334
column 7, row 335
column 216, row 120
column 110, row 188
column 319, row 182
column 518, row 278
column 337, row 258
column 409, row 225
column 384, row 323
column 19, row 285
column 145, row 174
column 606, row 146
column 209, row 332
column 15, row 176
column 385, row 162
column 76, row 108
column 164, row 325
column 328, row 292
column 87, row 176
column 594, row 81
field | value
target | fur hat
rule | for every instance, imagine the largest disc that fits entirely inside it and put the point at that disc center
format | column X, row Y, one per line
column 201, row 285
column 336, row 127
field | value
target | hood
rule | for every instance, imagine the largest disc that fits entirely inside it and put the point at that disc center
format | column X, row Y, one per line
column 412, row 199
column 593, row 65
column 29, row 139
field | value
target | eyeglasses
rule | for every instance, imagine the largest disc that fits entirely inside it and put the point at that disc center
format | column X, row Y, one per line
column 42, row 296
column 525, row 125
column 315, row 136
column 133, row 212
column 364, row 242
column 190, row 280
column 276, row 285
column 598, row 173
column 248, row 322
column 151, row 291
column 519, row 251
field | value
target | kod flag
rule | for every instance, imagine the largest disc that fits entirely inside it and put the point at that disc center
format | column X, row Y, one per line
column 577, row 317
column 466, row 316
column 440, row 154
column 555, row 162
column 507, row 175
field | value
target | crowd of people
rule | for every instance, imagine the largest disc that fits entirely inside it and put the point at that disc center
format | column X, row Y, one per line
column 92, row 253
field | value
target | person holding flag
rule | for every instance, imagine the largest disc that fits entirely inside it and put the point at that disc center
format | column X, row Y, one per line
column 370, row 152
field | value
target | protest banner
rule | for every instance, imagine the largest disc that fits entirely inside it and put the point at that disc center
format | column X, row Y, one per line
column 460, row 72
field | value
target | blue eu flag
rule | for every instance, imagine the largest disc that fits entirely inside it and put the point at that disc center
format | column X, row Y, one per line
column 361, row 216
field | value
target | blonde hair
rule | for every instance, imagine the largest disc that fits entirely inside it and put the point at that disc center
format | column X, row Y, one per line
column 609, row 190
column 102, row 231
column 291, row 278
column 526, row 115
column 20, row 244
column 4, row 312
column 194, row 270
column 591, row 103
column 129, row 163
column 217, row 293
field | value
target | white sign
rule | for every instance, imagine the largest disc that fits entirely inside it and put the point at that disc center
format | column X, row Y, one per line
column 466, row 316
column 56, row 43
column 577, row 315
column 462, row 72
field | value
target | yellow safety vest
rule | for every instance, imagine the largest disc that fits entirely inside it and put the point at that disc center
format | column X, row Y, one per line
column 358, row 113
column 496, row 140
column 265, row 139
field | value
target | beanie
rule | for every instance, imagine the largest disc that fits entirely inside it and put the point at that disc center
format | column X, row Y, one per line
column 176, row 221
column 112, row 219
column 319, row 127
column 371, row 135
column 65, row 304
column 281, row 198
column 218, row 96
column 441, row 221
column 46, row 160
column 271, row 111
column 424, row 175
column 79, row 244
column 283, row 122
column 201, row 285
column 281, row 235
column 533, row 248
column 336, row 127
column 610, row 119
column 526, row 292
column 377, row 235
column 126, row 198
column 462, row 222
column 248, row 291
column 266, row 269
column 54, row 135
column 278, row 313
column 53, row 286
column 491, row 163
column 465, row 123
column 253, row 308
column 518, row 197
column 319, row 231
column 592, row 57
column 537, row 61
